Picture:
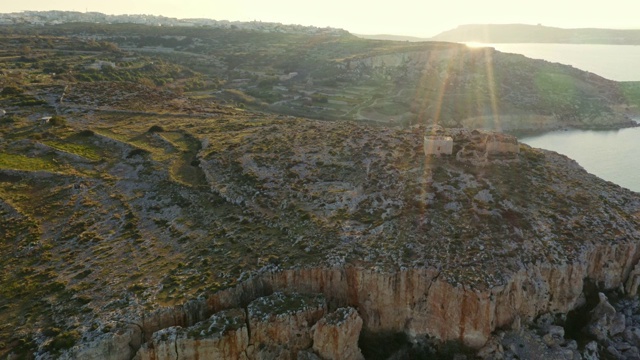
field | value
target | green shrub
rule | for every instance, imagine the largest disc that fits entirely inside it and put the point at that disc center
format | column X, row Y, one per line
column 11, row 90
column 58, row 120
column 155, row 128
column 64, row 340
column 86, row 133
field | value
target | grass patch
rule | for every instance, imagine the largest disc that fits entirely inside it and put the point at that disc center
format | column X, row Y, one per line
column 84, row 151
column 631, row 91
column 21, row 162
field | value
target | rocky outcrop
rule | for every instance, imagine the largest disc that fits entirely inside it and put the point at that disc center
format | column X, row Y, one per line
column 119, row 345
column 605, row 321
column 612, row 332
column 223, row 336
column 280, row 324
column 277, row 326
column 336, row 335
column 421, row 302
column 633, row 281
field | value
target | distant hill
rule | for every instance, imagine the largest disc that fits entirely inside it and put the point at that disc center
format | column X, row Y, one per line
column 392, row 37
column 520, row 33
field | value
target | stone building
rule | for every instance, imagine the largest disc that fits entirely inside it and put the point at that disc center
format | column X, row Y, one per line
column 502, row 145
column 438, row 145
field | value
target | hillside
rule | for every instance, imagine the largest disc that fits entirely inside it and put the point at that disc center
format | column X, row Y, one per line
column 110, row 216
column 392, row 37
column 338, row 76
column 147, row 210
column 520, row 33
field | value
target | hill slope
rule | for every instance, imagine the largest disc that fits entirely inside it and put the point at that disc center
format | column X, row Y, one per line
column 339, row 76
column 520, row 33
column 107, row 226
column 147, row 203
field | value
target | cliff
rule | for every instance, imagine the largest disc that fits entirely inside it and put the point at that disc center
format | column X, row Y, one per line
column 130, row 254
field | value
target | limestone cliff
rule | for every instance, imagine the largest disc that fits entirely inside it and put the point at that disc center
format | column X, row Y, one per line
column 223, row 336
column 277, row 326
column 420, row 302
column 336, row 335
column 280, row 324
column 424, row 246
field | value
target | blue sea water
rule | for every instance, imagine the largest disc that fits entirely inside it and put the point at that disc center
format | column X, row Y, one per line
column 612, row 155
column 614, row 62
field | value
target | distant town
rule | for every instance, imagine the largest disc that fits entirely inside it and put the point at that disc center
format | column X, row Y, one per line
column 61, row 17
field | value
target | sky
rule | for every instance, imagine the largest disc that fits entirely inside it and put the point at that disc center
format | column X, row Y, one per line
column 399, row 17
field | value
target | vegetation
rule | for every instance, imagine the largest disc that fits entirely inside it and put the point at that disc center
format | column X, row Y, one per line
column 324, row 76
column 144, row 190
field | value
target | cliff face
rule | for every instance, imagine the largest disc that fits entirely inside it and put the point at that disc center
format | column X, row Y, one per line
column 277, row 326
column 223, row 336
column 435, row 246
column 336, row 335
column 414, row 301
column 280, row 324
column 418, row 302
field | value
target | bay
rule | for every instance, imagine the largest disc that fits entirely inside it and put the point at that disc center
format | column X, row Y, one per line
column 614, row 62
column 613, row 155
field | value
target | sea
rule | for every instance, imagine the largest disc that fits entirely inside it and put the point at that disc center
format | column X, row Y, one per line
column 613, row 155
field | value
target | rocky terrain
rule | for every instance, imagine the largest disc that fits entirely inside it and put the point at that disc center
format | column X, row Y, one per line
column 325, row 75
column 143, row 219
column 125, row 232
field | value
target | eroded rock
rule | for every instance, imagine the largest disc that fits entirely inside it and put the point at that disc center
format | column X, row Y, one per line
column 223, row 336
column 336, row 335
column 280, row 324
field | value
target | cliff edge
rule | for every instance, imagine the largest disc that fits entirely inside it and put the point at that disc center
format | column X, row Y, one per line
column 449, row 246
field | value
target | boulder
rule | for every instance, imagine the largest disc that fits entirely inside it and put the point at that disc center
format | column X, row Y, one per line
column 605, row 321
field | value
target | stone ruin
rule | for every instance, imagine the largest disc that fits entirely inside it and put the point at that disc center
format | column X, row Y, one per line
column 438, row 145
column 477, row 146
column 437, row 142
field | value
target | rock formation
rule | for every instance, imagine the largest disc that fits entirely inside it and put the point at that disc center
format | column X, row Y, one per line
column 336, row 335
column 224, row 335
column 449, row 248
column 280, row 324
column 277, row 326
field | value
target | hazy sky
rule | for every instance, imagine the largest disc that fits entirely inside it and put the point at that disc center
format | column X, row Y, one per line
column 403, row 17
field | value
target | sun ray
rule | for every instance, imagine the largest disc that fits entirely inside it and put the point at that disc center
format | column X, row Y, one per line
column 491, row 84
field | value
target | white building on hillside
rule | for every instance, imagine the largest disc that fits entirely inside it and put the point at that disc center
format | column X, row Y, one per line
column 100, row 64
column 438, row 145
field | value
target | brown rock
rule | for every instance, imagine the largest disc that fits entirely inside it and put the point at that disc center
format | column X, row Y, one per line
column 114, row 346
column 280, row 324
column 223, row 336
column 336, row 335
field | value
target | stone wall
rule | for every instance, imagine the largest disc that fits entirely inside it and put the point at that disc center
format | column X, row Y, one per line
column 438, row 145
